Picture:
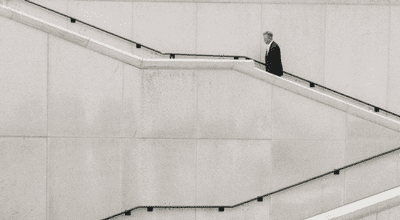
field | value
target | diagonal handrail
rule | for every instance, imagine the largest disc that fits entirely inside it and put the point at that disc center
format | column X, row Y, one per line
column 172, row 56
column 259, row 198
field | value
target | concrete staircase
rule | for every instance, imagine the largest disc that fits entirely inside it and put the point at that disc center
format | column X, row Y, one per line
column 198, row 116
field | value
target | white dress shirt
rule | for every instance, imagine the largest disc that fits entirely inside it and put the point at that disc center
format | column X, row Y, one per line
column 268, row 46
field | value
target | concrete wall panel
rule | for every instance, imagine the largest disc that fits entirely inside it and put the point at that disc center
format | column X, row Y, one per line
column 168, row 105
column 372, row 177
column 23, row 80
column 394, row 64
column 366, row 139
column 370, row 217
column 358, row 128
column 84, row 178
column 233, row 105
column 389, row 214
column 232, row 29
column 299, row 31
column 309, row 199
column 255, row 210
column 167, row 27
column 159, row 172
column 294, row 161
column 318, row 121
column 232, row 171
column 356, row 51
column 357, row 150
column 23, row 178
column 85, row 92
column 131, row 100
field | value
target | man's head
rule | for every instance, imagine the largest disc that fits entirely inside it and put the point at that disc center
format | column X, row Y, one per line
column 268, row 37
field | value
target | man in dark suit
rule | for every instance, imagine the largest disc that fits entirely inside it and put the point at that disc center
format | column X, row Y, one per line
column 273, row 63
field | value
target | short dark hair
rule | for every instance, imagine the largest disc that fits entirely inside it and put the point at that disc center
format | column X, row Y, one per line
column 269, row 33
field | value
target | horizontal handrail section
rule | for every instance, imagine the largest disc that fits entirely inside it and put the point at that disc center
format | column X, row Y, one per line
column 259, row 198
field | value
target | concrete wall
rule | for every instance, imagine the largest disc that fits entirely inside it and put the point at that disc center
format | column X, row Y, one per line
column 350, row 46
column 85, row 136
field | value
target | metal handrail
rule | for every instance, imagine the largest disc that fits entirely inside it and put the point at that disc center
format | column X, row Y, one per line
column 172, row 56
column 258, row 198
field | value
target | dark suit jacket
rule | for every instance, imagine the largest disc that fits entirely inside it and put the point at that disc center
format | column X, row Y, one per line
column 273, row 63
